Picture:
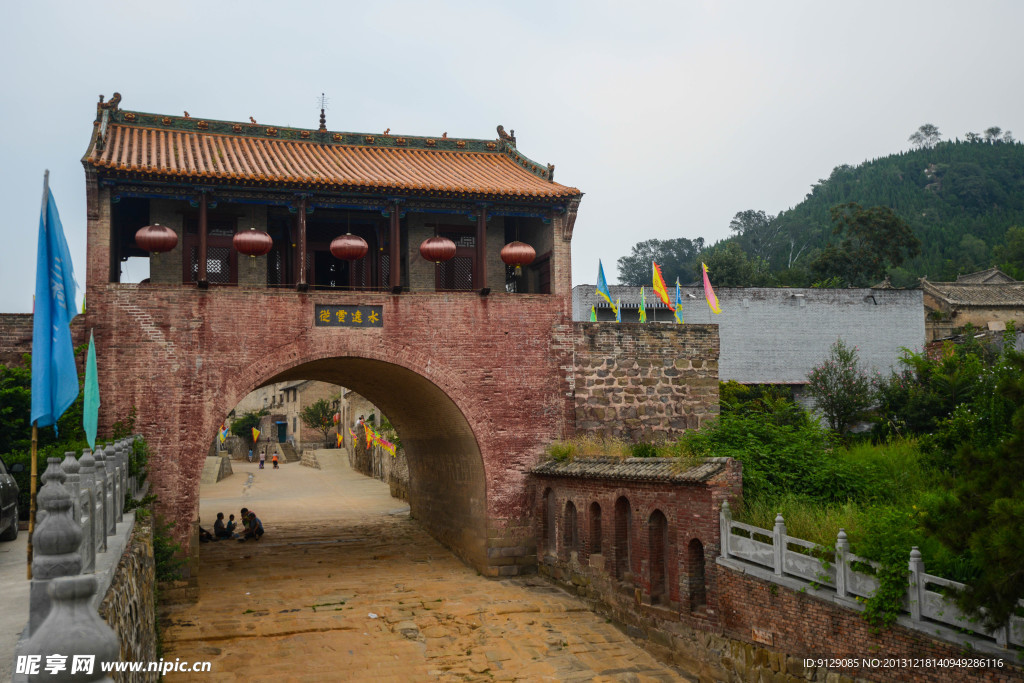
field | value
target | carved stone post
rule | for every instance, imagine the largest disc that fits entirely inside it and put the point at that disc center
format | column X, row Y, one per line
column 123, row 448
column 70, row 467
column 779, row 543
column 55, row 541
column 110, row 465
column 87, row 483
column 119, row 489
column 915, row 587
column 842, row 548
column 101, row 501
column 725, row 527
column 73, row 627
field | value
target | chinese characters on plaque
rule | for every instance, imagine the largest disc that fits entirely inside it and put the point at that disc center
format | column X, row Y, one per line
column 347, row 316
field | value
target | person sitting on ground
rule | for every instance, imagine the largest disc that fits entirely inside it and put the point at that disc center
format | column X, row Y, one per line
column 220, row 530
column 231, row 524
column 245, row 518
column 204, row 535
column 254, row 529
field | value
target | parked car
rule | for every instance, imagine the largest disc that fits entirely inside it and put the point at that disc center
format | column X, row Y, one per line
column 8, row 503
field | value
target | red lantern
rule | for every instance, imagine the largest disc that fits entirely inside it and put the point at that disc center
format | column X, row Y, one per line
column 437, row 249
column 349, row 247
column 252, row 242
column 518, row 254
column 156, row 238
column 336, row 418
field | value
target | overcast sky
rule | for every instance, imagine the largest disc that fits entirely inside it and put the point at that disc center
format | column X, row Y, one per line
column 671, row 117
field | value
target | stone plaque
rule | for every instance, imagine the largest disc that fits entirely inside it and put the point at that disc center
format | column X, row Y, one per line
column 761, row 635
column 348, row 316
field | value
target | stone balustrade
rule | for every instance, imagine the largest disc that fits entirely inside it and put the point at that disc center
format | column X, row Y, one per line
column 848, row 579
column 78, row 542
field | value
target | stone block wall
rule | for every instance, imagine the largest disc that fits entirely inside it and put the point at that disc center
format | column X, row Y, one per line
column 645, row 382
column 129, row 606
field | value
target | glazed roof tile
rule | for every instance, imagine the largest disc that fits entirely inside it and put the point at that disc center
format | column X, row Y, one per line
column 175, row 148
column 633, row 469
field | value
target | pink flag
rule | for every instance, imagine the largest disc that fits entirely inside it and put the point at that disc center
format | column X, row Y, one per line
column 710, row 293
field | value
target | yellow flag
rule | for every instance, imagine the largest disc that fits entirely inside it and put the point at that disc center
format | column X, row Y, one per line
column 255, row 435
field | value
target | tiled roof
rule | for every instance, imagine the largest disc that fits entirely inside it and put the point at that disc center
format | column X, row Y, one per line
column 968, row 294
column 148, row 145
column 632, row 469
column 990, row 276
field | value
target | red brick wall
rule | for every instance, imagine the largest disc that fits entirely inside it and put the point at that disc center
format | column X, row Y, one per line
column 690, row 513
column 16, row 336
column 471, row 383
column 806, row 626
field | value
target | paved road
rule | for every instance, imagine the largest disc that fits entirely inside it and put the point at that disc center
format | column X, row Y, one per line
column 14, row 600
column 345, row 586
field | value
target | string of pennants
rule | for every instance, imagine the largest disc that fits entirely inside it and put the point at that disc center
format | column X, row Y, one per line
column 659, row 288
column 372, row 438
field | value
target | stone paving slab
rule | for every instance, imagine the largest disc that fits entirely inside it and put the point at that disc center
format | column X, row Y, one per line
column 370, row 596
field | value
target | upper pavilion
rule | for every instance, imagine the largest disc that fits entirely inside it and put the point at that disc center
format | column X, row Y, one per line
column 207, row 180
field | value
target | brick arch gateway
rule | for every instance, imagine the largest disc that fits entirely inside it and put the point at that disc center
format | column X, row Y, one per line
column 447, row 474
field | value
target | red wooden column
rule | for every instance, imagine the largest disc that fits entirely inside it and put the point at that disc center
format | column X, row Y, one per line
column 480, row 272
column 395, row 257
column 201, row 278
column 302, row 284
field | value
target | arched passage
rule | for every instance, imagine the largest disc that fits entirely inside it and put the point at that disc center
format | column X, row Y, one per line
column 447, row 483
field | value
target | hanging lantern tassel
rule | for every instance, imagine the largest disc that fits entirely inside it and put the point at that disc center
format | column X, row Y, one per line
column 518, row 254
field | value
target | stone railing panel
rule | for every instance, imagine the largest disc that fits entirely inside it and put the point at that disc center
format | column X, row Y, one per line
column 926, row 607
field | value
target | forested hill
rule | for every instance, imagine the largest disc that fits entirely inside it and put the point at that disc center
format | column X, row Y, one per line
column 959, row 199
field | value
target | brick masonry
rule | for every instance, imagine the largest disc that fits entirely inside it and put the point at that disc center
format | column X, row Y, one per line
column 740, row 628
column 645, row 382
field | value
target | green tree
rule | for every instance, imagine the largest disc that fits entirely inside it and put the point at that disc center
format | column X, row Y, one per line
column 15, row 408
column 927, row 136
column 676, row 257
column 840, row 387
column 872, row 240
column 318, row 416
column 982, row 508
column 758, row 232
column 1010, row 254
column 242, row 426
column 730, row 266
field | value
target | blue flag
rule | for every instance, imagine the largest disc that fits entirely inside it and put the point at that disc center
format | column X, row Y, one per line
column 602, row 285
column 91, row 401
column 54, row 375
column 679, row 303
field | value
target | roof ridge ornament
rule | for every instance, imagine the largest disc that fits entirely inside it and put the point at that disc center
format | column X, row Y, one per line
column 509, row 137
column 323, row 116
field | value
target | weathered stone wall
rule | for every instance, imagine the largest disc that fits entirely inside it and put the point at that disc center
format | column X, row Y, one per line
column 645, row 382
column 374, row 462
column 129, row 606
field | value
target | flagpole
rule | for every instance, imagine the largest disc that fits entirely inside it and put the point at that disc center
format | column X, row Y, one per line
column 35, row 429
